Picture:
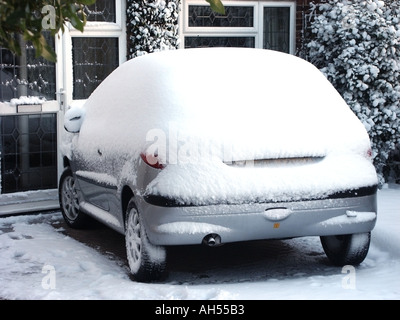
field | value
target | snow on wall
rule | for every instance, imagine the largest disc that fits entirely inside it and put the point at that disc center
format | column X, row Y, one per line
column 152, row 26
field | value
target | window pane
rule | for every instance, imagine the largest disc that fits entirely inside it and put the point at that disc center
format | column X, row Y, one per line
column 102, row 10
column 200, row 42
column 29, row 152
column 93, row 60
column 27, row 75
column 8, row 75
column 41, row 73
column 235, row 16
column 277, row 28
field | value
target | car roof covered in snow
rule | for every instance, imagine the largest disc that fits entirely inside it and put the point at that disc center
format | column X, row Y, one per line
column 253, row 97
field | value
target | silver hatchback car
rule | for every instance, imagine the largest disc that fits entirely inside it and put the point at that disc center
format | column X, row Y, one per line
column 218, row 145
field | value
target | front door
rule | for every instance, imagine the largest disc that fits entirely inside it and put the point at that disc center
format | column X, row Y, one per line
column 29, row 114
column 34, row 95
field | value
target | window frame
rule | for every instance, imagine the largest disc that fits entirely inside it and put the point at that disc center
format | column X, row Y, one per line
column 48, row 104
column 237, row 30
column 98, row 28
column 292, row 21
column 256, row 31
column 93, row 29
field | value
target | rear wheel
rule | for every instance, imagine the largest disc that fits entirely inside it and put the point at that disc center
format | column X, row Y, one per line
column 69, row 202
column 147, row 262
column 349, row 249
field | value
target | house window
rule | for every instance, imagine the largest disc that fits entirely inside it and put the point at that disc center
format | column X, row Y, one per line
column 28, row 145
column 26, row 75
column 93, row 60
column 254, row 24
column 235, row 16
column 99, row 50
column 102, row 10
column 276, row 31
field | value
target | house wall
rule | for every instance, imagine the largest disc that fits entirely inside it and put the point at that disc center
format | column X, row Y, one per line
column 302, row 10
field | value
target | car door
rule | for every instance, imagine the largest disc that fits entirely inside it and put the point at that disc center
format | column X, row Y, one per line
column 93, row 165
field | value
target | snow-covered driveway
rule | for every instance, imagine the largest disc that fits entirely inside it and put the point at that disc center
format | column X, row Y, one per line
column 41, row 259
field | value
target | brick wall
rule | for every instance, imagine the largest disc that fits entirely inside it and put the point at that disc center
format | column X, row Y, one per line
column 302, row 9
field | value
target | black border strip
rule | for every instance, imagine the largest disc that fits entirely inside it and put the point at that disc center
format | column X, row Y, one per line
column 161, row 201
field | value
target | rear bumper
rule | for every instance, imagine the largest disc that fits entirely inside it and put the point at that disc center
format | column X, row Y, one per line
column 182, row 225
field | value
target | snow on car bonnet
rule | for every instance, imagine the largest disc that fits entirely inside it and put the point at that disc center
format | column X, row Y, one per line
column 199, row 108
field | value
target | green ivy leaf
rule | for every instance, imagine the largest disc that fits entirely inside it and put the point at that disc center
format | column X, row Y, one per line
column 77, row 23
column 217, row 6
column 23, row 17
column 87, row 2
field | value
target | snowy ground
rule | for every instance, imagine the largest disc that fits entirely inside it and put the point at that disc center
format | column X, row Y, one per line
column 40, row 259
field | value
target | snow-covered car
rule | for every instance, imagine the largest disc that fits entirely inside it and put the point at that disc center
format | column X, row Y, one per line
column 218, row 145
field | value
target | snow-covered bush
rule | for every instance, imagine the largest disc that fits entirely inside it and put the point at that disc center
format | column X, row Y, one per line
column 152, row 25
column 356, row 44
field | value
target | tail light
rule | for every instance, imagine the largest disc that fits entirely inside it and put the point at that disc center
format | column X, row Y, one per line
column 369, row 154
column 152, row 160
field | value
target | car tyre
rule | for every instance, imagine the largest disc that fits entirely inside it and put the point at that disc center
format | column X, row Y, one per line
column 349, row 249
column 147, row 262
column 69, row 202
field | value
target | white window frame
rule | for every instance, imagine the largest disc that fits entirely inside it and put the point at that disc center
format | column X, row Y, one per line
column 292, row 18
column 93, row 29
column 6, row 108
column 222, row 31
column 256, row 31
column 206, row 30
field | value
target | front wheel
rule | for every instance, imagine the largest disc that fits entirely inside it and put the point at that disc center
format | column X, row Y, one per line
column 69, row 202
column 348, row 249
column 147, row 262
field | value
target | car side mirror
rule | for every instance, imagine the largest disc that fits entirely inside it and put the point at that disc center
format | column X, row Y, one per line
column 73, row 119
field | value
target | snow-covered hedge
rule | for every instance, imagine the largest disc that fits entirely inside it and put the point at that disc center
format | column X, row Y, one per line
column 152, row 26
column 356, row 44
